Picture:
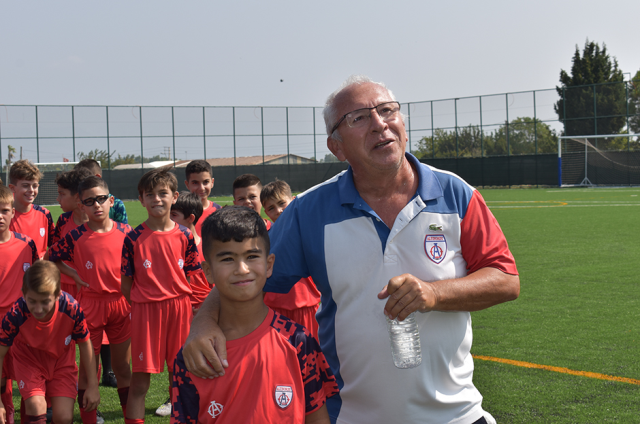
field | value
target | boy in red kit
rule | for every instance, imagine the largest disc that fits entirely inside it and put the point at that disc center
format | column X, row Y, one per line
column 94, row 251
column 158, row 257
column 42, row 329
column 200, row 181
column 187, row 212
column 301, row 303
column 30, row 219
column 246, row 192
column 18, row 253
column 282, row 375
column 71, row 217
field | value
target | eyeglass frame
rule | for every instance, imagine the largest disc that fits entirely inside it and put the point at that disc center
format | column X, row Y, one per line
column 95, row 200
column 335, row 127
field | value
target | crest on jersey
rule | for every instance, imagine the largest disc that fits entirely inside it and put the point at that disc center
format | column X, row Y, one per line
column 147, row 264
column 89, row 265
column 180, row 263
column 141, row 356
column 435, row 246
column 25, row 266
column 67, row 340
column 284, row 396
column 41, row 232
column 21, row 384
column 215, row 409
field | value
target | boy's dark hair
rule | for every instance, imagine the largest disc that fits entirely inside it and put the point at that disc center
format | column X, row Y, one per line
column 187, row 204
column 156, row 177
column 91, row 164
column 6, row 195
column 236, row 223
column 43, row 277
column 70, row 180
column 196, row 167
column 277, row 190
column 246, row 180
column 24, row 170
column 92, row 182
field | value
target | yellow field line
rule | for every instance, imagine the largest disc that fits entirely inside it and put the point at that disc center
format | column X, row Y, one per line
column 560, row 370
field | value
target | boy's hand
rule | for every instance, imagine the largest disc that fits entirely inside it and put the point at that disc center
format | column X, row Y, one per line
column 91, row 398
column 79, row 283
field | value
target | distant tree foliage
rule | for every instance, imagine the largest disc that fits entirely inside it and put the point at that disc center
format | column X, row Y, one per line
column 103, row 156
column 634, row 104
column 329, row 158
column 580, row 113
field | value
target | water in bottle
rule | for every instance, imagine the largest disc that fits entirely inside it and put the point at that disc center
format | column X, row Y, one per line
column 405, row 342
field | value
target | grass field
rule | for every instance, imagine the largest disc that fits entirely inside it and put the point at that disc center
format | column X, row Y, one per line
column 577, row 253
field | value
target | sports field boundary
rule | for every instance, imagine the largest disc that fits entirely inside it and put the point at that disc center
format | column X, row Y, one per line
column 559, row 369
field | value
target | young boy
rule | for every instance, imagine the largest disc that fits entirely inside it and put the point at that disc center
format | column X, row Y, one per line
column 94, row 252
column 118, row 212
column 71, row 217
column 200, row 181
column 158, row 257
column 301, row 303
column 18, row 253
column 30, row 219
column 281, row 375
column 187, row 212
column 42, row 329
column 246, row 192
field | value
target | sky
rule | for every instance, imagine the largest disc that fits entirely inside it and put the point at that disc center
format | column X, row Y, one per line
column 277, row 53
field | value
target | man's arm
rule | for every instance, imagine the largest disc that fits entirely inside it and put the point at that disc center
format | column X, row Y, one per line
column 478, row 290
column 205, row 351
column 88, row 362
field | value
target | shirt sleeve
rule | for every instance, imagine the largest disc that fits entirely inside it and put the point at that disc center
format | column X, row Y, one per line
column 127, row 258
column 118, row 212
column 12, row 321
column 58, row 228
column 185, row 399
column 482, row 241
column 34, row 251
column 80, row 329
column 50, row 229
column 192, row 262
column 63, row 250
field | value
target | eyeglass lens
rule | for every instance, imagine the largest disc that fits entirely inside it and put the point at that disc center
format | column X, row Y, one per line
column 360, row 117
column 90, row 201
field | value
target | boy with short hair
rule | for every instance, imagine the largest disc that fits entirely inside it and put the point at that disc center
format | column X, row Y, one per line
column 158, row 257
column 118, row 212
column 18, row 253
column 246, row 192
column 94, row 251
column 301, row 303
column 42, row 329
column 71, row 217
column 30, row 219
column 199, row 180
column 187, row 212
column 281, row 375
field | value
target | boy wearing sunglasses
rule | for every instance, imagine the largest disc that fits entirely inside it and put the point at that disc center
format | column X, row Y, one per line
column 94, row 249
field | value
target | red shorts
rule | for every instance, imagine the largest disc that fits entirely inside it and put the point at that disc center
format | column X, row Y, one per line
column 108, row 314
column 304, row 316
column 38, row 374
column 72, row 289
column 158, row 331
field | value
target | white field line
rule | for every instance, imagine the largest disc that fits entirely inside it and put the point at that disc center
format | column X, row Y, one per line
column 557, row 204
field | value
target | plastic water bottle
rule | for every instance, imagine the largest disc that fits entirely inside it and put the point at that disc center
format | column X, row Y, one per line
column 405, row 342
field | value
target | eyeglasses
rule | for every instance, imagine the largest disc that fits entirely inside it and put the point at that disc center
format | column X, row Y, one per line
column 90, row 201
column 360, row 117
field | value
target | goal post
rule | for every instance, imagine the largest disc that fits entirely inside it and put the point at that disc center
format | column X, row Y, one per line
column 599, row 160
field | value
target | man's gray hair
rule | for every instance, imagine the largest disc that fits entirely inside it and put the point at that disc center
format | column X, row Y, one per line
column 330, row 111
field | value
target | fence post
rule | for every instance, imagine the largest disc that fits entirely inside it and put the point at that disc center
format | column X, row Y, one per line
column 204, row 134
column 234, row 135
column 409, row 118
column 173, row 134
column 262, row 131
column 37, row 138
column 315, row 154
column 141, row 143
column 433, row 147
column 287, row 118
column 455, row 111
column 108, row 140
column 535, row 133
column 595, row 114
column 73, row 131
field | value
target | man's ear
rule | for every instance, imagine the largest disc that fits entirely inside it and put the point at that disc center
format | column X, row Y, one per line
column 335, row 146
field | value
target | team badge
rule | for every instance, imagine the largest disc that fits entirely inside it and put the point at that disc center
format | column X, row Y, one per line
column 21, row 384
column 67, row 340
column 284, row 396
column 89, row 265
column 215, row 409
column 435, row 246
column 25, row 266
column 41, row 232
column 141, row 356
column 180, row 263
column 147, row 264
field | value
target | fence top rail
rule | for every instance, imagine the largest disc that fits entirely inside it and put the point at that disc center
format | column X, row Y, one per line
column 174, row 106
column 597, row 136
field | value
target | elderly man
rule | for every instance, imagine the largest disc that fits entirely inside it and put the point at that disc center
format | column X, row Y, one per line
column 364, row 236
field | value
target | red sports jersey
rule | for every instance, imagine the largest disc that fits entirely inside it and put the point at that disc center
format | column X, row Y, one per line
column 303, row 294
column 64, row 224
column 200, row 287
column 96, row 256
column 17, row 254
column 53, row 336
column 267, row 223
column 159, row 263
column 279, row 376
column 205, row 213
column 37, row 224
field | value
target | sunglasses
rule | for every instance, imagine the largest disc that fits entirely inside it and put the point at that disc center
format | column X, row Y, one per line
column 90, row 201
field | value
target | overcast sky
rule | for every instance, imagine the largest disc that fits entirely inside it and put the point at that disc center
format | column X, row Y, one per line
column 235, row 53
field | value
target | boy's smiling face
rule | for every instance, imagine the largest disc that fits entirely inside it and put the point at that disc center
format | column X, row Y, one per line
column 159, row 200
column 25, row 191
column 201, row 184
column 239, row 269
column 41, row 306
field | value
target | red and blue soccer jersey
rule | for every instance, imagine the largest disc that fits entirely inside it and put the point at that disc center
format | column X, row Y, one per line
column 200, row 287
column 279, row 375
column 159, row 263
column 205, row 213
column 37, row 224
column 53, row 336
column 96, row 256
column 17, row 254
column 64, row 224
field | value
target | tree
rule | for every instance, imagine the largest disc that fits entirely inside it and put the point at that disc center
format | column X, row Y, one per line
column 634, row 104
column 524, row 133
column 577, row 109
column 11, row 152
column 329, row 158
column 467, row 142
column 101, row 156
